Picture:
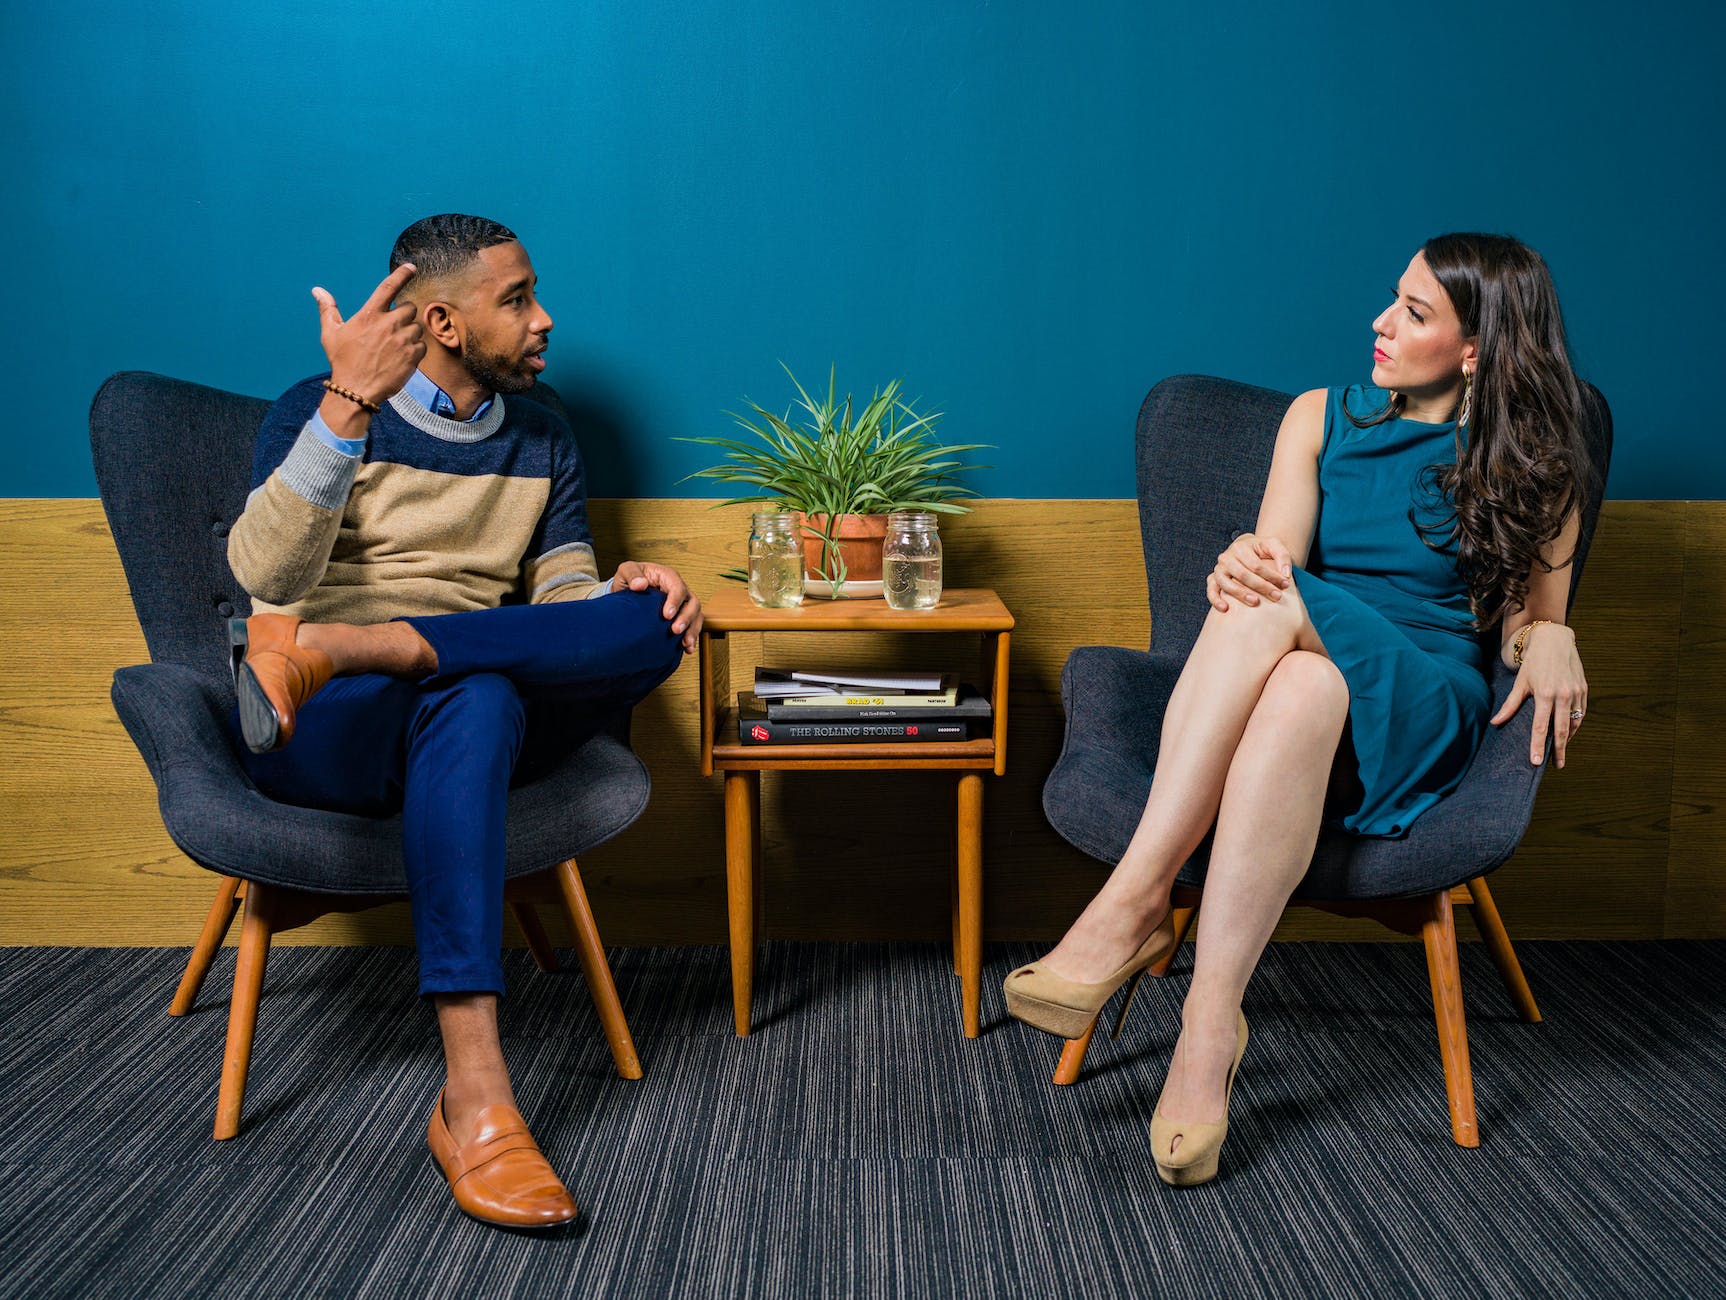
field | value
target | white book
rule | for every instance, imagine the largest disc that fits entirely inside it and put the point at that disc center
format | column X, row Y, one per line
column 772, row 683
column 872, row 681
column 790, row 690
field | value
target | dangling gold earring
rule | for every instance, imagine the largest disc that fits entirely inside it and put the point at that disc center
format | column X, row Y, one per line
column 1467, row 397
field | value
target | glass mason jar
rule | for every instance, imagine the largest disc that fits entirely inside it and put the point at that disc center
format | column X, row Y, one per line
column 775, row 560
column 911, row 560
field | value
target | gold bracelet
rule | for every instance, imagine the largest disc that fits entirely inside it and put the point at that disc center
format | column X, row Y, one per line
column 371, row 408
column 1521, row 639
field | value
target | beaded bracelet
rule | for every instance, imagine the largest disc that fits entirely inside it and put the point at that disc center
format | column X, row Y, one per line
column 371, row 408
column 1521, row 639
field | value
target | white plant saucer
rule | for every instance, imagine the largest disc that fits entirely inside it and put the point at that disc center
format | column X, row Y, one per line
column 821, row 589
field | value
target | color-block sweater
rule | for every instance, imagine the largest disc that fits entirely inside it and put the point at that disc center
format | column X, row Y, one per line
column 436, row 516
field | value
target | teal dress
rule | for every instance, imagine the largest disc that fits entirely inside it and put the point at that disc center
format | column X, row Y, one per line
column 1393, row 615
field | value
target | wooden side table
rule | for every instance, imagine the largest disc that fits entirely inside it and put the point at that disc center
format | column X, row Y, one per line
column 730, row 610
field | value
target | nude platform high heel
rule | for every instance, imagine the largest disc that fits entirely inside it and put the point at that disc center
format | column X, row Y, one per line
column 1195, row 1160
column 1067, row 1008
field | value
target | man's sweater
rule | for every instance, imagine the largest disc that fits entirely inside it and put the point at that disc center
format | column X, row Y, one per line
column 436, row 516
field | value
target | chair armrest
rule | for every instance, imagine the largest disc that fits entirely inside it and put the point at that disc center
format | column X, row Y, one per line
column 178, row 718
column 1116, row 697
column 587, row 797
column 175, row 715
column 1481, row 822
column 1114, row 700
column 1472, row 830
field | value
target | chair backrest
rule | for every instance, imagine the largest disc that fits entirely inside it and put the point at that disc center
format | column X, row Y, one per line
column 1204, row 452
column 174, row 467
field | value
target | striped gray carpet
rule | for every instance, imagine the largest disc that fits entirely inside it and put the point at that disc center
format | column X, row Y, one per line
column 857, row 1145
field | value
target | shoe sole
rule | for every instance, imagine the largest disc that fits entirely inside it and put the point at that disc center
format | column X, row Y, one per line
column 259, row 724
column 1070, row 1022
column 1051, row 1017
column 1201, row 1171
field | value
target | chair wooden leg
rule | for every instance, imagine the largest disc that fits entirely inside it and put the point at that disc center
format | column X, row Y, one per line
column 1184, row 917
column 1492, row 931
column 216, row 926
column 740, row 891
column 1439, row 934
column 970, row 821
column 254, row 955
column 538, row 942
column 1073, row 1054
column 600, row 986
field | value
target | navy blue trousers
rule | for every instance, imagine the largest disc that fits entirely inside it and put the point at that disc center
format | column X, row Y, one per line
column 516, row 689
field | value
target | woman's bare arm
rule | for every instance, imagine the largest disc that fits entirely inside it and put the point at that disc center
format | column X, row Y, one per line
column 1551, row 671
column 1257, row 564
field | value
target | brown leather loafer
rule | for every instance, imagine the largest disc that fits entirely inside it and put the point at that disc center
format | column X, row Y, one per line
column 273, row 677
column 500, row 1177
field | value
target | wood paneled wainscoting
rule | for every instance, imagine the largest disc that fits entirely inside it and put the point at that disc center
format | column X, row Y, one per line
column 1629, row 841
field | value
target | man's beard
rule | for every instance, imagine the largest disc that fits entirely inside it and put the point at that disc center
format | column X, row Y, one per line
column 497, row 371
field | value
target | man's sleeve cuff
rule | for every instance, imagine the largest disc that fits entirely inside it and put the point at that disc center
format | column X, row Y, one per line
column 317, row 471
column 355, row 447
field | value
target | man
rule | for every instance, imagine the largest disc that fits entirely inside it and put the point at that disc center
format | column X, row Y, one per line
column 430, row 625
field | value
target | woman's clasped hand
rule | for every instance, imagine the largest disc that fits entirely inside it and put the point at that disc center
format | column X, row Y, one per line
column 1251, row 567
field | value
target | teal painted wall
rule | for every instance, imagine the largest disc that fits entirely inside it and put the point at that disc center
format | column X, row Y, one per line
column 1030, row 211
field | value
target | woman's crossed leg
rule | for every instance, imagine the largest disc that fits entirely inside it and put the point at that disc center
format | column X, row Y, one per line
column 1247, row 743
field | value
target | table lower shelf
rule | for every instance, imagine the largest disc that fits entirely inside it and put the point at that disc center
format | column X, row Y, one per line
column 909, row 756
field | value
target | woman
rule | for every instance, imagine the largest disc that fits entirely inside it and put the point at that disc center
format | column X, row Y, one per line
column 1398, row 521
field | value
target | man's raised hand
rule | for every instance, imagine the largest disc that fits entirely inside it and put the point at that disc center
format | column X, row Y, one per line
column 376, row 349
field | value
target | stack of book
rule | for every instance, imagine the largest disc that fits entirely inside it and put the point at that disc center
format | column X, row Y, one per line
column 815, row 708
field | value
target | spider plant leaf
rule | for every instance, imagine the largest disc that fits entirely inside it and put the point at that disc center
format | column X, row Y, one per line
column 838, row 455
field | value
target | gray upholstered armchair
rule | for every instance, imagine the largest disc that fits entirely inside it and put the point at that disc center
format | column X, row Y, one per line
column 173, row 463
column 1204, row 451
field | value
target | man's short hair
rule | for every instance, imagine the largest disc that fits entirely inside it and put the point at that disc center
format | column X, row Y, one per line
column 441, row 245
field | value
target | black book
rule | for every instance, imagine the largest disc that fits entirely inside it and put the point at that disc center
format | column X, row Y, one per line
column 754, row 727
column 970, row 705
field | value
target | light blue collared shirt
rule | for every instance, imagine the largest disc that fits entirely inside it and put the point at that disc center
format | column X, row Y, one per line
column 418, row 387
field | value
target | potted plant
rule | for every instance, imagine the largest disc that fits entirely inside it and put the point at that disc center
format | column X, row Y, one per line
column 843, row 468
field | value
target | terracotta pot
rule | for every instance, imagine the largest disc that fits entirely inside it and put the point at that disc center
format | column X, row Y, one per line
column 860, row 540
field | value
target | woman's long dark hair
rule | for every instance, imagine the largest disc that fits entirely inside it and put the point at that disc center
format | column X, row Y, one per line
column 1522, row 464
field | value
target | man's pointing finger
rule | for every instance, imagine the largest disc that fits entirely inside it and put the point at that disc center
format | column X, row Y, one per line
column 327, row 313
column 385, row 293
